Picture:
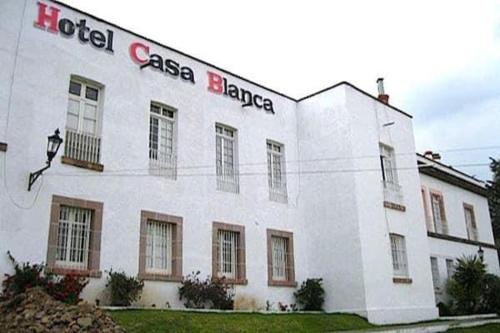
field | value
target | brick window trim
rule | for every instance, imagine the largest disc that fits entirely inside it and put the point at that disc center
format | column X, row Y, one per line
column 95, row 236
column 241, row 264
column 291, row 263
column 82, row 164
column 395, row 206
column 176, row 275
column 3, row 146
column 402, row 280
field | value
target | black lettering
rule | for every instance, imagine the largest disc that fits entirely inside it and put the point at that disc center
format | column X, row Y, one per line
column 233, row 91
column 66, row 27
column 109, row 45
column 156, row 61
column 187, row 74
column 246, row 97
column 257, row 104
column 172, row 67
column 82, row 29
column 224, row 81
column 97, row 39
column 268, row 105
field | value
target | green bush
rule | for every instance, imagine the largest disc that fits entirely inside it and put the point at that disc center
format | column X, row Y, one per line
column 209, row 293
column 490, row 296
column 466, row 285
column 311, row 295
column 123, row 289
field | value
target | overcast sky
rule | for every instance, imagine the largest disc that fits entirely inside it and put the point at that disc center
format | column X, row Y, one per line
column 440, row 59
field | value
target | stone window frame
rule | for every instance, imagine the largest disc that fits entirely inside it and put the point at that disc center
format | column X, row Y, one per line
column 241, row 252
column 95, row 236
column 176, row 274
column 290, row 259
column 445, row 230
column 475, row 229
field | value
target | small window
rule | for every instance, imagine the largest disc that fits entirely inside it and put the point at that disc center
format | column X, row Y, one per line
column 280, row 258
column 438, row 213
column 470, row 222
column 450, row 268
column 91, row 93
column 276, row 172
column 162, row 141
column 226, row 159
column 388, row 165
column 160, row 248
column 435, row 273
column 228, row 256
column 75, row 88
column 399, row 258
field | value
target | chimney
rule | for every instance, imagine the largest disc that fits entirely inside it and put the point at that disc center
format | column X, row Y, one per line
column 381, row 93
column 432, row 156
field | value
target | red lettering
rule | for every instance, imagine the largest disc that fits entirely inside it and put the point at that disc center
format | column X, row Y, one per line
column 133, row 52
column 43, row 17
column 214, row 83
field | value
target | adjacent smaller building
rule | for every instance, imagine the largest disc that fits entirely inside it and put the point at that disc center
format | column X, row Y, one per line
column 457, row 219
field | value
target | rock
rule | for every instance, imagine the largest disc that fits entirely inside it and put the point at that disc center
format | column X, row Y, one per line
column 35, row 311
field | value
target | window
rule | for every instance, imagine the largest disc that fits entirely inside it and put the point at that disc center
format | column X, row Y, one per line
column 280, row 259
column 428, row 218
column 228, row 255
column 388, row 165
column 160, row 248
column 162, row 141
column 438, row 213
column 276, row 172
column 226, row 160
column 436, row 280
column 470, row 222
column 399, row 259
column 450, row 268
column 74, row 236
column 83, row 142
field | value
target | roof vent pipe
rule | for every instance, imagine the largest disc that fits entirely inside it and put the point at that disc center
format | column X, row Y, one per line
column 382, row 96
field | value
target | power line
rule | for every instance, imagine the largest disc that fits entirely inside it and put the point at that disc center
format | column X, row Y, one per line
column 212, row 174
column 292, row 162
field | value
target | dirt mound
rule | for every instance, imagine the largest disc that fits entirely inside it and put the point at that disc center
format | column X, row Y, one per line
column 35, row 311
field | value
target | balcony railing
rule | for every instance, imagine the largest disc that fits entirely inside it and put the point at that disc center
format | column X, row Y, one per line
column 162, row 164
column 393, row 192
column 278, row 193
column 82, row 147
column 228, row 180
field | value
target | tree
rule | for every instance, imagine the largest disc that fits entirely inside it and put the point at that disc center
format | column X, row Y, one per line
column 466, row 285
column 494, row 198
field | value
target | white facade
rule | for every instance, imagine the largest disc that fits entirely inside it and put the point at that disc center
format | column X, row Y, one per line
column 459, row 193
column 327, row 200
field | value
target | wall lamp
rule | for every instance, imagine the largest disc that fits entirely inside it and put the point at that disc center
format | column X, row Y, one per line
column 53, row 144
column 480, row 252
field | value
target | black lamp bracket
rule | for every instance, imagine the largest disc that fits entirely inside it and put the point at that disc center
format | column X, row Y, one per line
column 35, row 175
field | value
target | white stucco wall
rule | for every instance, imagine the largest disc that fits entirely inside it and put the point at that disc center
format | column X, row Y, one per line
column 454, row 197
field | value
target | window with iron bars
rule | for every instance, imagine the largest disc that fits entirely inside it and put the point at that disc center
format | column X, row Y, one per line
column 226, row 159
column 276, row 172
column 436, row 279
column 228, row 242
column 83, row 141
column 399, row 258
column 73, row 238
column 159, row 247
column 280, row 258
column 162, row 141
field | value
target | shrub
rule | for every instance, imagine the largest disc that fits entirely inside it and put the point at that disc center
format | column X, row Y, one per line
column 25, row 276
column 209, row 293
column 123, row 289
column 465, row 286
column 444, row 309
column 311, row 295
column 490, row 295
column 67, row 289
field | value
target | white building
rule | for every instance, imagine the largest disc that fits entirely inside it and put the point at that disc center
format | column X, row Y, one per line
column 171, row 165
column 457, row 219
